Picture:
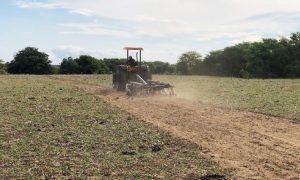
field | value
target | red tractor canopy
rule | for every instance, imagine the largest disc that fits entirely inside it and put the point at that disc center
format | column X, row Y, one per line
column 134, row 48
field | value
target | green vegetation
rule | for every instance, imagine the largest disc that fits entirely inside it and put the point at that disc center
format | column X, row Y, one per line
column 270, row 58
column 87, row 65
column 158, row 67
column 52, row 131
column 278, row 97
column 90, row 65
column 189, row 63
column 30, row 61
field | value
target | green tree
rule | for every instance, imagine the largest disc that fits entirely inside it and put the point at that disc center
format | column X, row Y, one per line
column 69, row 66
column 255, row 65
column 269, row 58
column 234, row 60
column 113, row 63
column 30, row 61
column 84, row 65
column 211, row 63
column 293, row 68
column 189, row 63
column 159, row 67
column 103, row 68
column 171, row 69
column 87, row 64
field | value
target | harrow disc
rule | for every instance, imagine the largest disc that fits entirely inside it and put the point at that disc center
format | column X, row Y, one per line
column 151, row 88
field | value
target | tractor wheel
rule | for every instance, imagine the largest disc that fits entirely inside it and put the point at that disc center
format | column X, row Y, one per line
column 115, row 83
column 122, row 80
column 119, row 82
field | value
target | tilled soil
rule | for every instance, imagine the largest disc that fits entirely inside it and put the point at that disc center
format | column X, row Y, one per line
column 253, row 145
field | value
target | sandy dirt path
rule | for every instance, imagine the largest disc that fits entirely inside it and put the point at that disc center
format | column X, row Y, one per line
column 253, row 145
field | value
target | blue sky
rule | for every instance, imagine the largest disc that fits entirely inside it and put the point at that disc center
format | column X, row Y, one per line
column 165, row 28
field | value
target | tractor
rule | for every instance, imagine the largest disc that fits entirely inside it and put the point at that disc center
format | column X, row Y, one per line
column 135, row 78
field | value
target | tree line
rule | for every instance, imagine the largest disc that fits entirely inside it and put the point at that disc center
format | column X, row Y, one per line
column 89, row 65
column 31, row 61
column 269, row 58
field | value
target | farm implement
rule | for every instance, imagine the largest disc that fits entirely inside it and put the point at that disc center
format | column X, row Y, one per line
column 135, row 78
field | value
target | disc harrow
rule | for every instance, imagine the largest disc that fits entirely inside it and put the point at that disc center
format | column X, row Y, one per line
column 148, row 88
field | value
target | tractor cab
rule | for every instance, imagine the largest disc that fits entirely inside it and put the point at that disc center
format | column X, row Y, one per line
column 135, row 65
column 130, row 60
column 127, row 72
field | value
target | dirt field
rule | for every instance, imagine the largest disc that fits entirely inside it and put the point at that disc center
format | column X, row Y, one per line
column 253, row 145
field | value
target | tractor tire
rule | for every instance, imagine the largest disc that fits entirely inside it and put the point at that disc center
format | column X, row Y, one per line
column 115, row 83
column 122, row 81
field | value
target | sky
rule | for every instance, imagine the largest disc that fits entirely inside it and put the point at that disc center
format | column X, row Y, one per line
column 165, row 28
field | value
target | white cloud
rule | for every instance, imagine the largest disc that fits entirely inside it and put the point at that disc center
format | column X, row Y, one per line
column 194, row 22
column 152, row 53
column 143, row 18
column 65, row 51
column 37, row 4
column 158, row 18
column 53, row 5
column 93, row 29
column 250, row 38
column 84, row 12
column 68, row 51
